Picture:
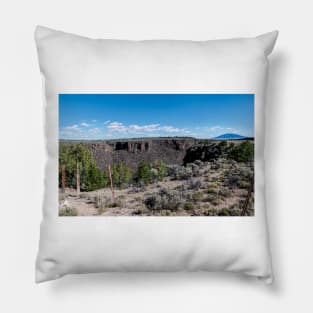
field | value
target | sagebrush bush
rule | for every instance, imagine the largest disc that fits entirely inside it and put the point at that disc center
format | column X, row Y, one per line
column 233, row 180
column 68, row 212
column 100, row 203
column 188, row 205
column 194, row 184
column 209, row 212
column 195, row 169
column 231, row 211
column 154, row 202
column 224, row 192
column 197, row 196
column 181, row 172
column 165, row 199
column 211, row 190
column 244, row 184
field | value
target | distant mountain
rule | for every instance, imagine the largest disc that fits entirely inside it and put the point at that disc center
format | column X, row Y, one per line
column 229, row 137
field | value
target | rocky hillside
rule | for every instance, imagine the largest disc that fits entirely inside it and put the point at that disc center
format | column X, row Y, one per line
column 174, row 150
column 132, row 151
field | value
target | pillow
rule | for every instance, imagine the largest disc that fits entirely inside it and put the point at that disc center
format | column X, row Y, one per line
column 155, row 155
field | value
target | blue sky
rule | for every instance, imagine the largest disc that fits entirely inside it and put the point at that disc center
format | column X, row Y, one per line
column 110, row 116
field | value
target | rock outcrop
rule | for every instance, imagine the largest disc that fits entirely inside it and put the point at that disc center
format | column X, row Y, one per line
column 132, row 151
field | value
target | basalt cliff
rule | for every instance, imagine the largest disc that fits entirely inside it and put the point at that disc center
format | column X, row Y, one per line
column 132, row 151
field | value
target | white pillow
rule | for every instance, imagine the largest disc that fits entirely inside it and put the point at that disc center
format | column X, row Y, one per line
column 71, row 64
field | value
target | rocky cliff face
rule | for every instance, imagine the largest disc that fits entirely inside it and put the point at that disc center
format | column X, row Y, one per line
column 131, row 152
column 169, row 150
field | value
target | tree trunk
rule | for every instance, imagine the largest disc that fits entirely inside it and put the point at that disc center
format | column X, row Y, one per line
column 244, row 208
column 63, row 178
column 77, row 180
column 111, row 182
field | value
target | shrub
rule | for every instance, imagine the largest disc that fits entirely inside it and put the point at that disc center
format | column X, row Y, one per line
column 100, row 203
column 68, row 212
column 194, row 184
column 242, row 152
column 154, row 175
column 94, row 179
column 233, row 180
column 188, row 205
column 140, row 211
column 224, row 192
column 121, row 175
column 197, row 196
column 210, row 197
column 167, row 213
column 181, row 172
column 244, row 184
column 231, row 211
column 165, row 199
column 211, row 190
column 209, row 212
column 195, row 169
column 224, row 212
column 216, row 201
column 154, row 202
column 161, row 169
column 144, row 173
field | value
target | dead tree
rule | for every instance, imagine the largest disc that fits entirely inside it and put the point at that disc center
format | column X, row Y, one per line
column 111, row 183
column 77, row 180
column 245, row 206
column 63, row 178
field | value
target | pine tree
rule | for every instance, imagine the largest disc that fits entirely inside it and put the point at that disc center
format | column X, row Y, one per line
column 144, row 173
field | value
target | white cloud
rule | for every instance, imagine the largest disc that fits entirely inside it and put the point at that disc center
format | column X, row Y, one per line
column 171, row 129
column 144, row 128
column 74, row 127
column 118, row 127
column 84, row 124
column 94, row 121
column 107, row 122
column 94, row 131
column 217, row 127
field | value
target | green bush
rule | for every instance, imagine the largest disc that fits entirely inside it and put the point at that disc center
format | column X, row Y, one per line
column 68, row 212
column 188, row 205
column 232, row 211
column 144, row 173
column 242, row 152
column 161, row 169
column 165, row 199
column 224, row 192
column 211, row 190
column 194, row 184
column 94, row 179
column 197, row 196
column 121, row 175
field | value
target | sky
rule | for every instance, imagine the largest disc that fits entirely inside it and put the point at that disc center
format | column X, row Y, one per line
column 112, row 116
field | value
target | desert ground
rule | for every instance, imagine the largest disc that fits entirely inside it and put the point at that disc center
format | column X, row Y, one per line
column 220, row 187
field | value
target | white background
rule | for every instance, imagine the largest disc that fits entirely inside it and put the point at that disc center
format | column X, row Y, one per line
column 288, row 153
